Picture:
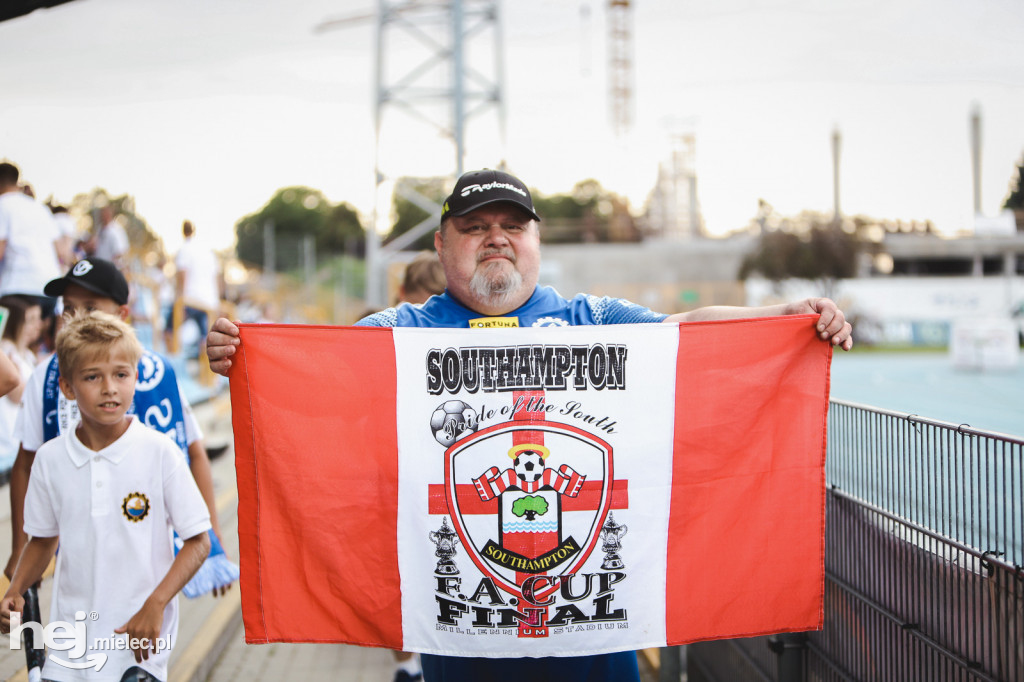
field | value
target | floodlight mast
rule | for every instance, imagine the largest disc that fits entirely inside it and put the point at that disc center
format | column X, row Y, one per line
column 444, row 28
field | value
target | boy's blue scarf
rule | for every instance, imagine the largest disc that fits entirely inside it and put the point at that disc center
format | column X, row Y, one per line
column 158, row 404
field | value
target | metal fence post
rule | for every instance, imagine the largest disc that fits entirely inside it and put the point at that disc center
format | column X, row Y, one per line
column 790, row 647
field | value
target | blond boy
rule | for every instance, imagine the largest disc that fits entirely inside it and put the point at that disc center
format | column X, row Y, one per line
column 110, row 490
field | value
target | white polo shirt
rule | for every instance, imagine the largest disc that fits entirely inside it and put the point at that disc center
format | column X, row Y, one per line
column 113, row 511
column 28, row 425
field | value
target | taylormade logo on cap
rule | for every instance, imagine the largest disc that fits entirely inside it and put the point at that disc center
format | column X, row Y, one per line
column 491, row 185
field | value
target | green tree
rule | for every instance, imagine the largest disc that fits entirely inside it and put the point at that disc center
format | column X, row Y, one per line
column 589, row 213
column 778, row 256
column 1015, row 200
column 810, row 246
column 295, row 213
column 343, row 231
column 530, row 506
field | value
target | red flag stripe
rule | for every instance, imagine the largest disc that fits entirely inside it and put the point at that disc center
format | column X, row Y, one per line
column 316, row 437
column 771, row 448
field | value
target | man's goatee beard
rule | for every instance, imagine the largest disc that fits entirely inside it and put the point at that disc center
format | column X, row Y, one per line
column 499, row 289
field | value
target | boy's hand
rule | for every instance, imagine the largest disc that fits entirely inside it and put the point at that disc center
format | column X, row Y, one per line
column 143, row 629
column 11, row 602
column 222, row 590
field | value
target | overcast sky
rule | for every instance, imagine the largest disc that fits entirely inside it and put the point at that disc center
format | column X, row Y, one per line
column 202, row 108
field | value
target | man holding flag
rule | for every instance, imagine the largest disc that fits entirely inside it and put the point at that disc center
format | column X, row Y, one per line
column 489, row 246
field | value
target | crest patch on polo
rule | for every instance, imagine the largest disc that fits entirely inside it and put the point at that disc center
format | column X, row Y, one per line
column 135, row 507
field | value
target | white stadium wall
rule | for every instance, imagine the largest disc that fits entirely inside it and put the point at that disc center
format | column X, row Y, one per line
column 913, row 311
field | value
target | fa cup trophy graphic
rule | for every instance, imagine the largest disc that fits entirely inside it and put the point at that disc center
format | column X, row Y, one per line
column 445, row 539
column 611, row 543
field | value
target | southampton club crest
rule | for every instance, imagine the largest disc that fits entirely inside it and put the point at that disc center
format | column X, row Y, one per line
column 527, row 497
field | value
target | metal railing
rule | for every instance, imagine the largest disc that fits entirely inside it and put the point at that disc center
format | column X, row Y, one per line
column 924, row 560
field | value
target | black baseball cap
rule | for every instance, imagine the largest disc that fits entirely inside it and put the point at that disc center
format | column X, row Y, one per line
column 479, row 188
column 95, row 274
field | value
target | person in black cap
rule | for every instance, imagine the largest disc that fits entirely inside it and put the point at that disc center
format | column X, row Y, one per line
column 95, row 284
column 495, row 275
column 96, row 276
column 489, row 245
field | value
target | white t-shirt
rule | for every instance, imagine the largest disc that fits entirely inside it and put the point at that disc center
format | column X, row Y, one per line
column 112, row 242
column 9, row 408
column 202, row 289
column 66, row 226
column 28, row 427
column 113, row 511
column 30, row 258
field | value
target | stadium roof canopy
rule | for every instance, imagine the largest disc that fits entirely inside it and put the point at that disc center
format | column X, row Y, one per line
column 9, row 9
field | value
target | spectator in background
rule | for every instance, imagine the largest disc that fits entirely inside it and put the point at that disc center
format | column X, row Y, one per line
column 146, row 290
column 68, row 235
column 110, row 242
column 424, row 277
column 24, row 322
column 8, row 375
column 28, row 242
column 197, row 285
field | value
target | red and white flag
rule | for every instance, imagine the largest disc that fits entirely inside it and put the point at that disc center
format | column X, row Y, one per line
column 531, row 492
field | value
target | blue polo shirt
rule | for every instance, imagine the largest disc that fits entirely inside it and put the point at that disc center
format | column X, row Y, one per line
column 545, row 308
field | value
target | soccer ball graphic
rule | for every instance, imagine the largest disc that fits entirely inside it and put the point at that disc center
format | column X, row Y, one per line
column 529, row 466
column 452, row 420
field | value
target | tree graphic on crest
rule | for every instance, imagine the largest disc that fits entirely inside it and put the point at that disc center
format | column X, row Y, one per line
column 530, row 506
